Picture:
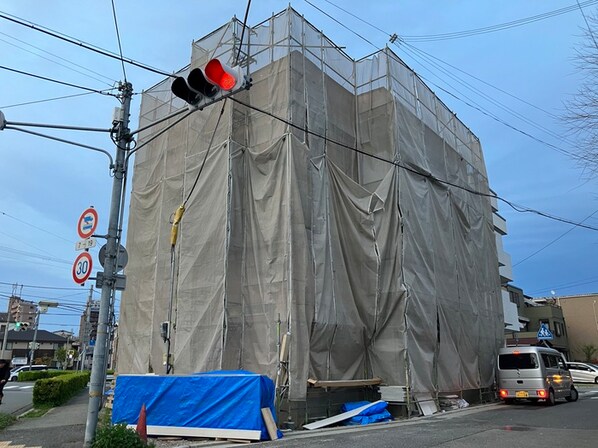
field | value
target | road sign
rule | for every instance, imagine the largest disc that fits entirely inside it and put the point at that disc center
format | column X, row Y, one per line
column 87, row 243
column 544, row 334
column 123, row 257
column 88, row 221
column 82, row 267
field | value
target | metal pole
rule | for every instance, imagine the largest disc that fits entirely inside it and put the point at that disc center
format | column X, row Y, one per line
column 5, row 340
column 32, row 351
column 98, row 372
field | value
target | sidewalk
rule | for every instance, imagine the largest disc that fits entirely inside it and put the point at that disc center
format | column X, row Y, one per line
column 61, row 427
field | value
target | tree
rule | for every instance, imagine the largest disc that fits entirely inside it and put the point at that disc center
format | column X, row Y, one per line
column 60, row 356
column 582, row 109
column 588, row 351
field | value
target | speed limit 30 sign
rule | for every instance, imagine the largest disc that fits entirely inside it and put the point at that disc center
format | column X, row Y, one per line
column 82, row 268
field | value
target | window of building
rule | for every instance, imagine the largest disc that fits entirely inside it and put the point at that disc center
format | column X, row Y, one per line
column 558, row 329
column 514, row 297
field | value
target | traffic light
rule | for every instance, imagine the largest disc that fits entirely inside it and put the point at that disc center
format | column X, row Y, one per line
column 213, row 83
column 21, row 326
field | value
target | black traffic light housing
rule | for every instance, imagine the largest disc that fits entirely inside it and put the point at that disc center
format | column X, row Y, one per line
column 215, row 82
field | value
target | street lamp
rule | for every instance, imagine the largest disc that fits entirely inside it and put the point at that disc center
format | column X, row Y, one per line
column 42, row 308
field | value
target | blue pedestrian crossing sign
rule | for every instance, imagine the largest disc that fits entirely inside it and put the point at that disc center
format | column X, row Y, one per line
column 544, row 334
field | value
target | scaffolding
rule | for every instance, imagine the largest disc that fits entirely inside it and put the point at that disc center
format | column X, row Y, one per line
column 343, row 212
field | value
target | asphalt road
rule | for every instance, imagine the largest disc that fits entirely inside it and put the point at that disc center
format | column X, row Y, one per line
column 17, row 397
column 571, row 425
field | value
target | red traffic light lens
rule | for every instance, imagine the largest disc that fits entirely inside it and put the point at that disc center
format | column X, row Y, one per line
column 220, row 75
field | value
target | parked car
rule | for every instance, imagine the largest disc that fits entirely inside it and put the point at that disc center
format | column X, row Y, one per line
column 583, row 372
column 534, row 373
column 14, row 373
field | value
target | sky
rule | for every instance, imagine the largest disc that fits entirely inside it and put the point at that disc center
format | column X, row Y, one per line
column 510, row 87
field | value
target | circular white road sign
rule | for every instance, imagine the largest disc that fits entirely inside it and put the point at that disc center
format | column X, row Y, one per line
column 82, row 267
column 88, row 221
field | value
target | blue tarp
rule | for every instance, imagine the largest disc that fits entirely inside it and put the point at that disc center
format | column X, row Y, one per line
column 220, row 399
column 373, row 414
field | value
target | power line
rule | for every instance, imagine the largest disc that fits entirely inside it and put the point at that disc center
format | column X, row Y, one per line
column 80, row 43
column 41, row 286
column 35, row 227
column 553, row 241
column 46, row 100
column 430, row 177
column 510, row 111
column 478, row 108
column 243, row 31
column 57, row 57
column 343, row 25
column 498, row 27
column 101, row 92
column 120, row 48
column 566, row 285
column 33, row 255
column 430, row 59
column 510, row 126
column 587, row 24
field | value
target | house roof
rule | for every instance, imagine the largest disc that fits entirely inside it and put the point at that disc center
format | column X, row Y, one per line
column 27, row 336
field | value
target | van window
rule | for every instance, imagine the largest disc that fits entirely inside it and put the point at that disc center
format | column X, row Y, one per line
column 513, row 361
column 549, row 360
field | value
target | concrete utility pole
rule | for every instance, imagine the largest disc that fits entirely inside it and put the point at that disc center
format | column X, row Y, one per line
column 98, row 371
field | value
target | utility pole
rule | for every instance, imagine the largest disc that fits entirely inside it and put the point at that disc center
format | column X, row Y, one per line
column 98, row 371
column 32, row 349
column 86, row 330
column 6, row 330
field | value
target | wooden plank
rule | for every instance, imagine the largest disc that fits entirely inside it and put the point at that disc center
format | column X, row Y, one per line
column 344, row 383
column 212, row 433
column 340, row 417
column 270, row 424
column 284, row 348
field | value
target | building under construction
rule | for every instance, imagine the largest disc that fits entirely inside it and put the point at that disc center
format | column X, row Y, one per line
column 340, row 229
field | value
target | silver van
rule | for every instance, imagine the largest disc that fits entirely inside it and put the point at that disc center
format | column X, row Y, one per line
column 534, row 373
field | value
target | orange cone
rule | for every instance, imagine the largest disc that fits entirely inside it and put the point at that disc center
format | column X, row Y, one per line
column 142, row 424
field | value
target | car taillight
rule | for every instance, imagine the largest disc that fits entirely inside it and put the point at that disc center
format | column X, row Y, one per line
column 542, row 393
column 503, row 393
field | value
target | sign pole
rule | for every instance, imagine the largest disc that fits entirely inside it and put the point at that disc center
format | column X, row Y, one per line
column 98, row 372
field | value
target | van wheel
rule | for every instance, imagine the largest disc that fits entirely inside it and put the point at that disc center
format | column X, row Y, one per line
column 574, row 395
column 550, row 401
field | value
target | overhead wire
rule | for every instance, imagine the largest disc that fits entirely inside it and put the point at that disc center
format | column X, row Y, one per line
column 428, row 176
column 498, row 27
column 56, row 81
column 477, row 107
column 120, row 48
column 220, row 114
column 42, row 286
column 553, row 241
column 112, row 82
column 585, row 281
column 27, row 103
column 474, row 105
column 33, row 255
column 429, row 59
column 79, row 43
